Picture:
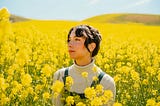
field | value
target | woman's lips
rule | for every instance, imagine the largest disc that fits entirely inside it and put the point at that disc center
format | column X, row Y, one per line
column 71, row 51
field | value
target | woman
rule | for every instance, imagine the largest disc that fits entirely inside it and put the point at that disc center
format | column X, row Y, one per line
column 83, row 46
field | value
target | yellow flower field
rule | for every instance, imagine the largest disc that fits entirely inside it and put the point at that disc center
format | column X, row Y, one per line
column 31, row 51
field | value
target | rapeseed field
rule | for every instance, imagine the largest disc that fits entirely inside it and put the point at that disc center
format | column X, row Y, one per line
column 31, row 51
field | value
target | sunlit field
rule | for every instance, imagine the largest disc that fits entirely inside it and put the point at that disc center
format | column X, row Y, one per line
column 31, row 51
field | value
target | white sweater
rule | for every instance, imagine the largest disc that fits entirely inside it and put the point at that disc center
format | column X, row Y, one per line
column 80, row 82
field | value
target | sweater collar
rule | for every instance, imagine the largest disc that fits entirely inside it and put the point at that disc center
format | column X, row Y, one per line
column 85, row 68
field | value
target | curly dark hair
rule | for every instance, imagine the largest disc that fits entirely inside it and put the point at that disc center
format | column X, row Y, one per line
column 91, row 34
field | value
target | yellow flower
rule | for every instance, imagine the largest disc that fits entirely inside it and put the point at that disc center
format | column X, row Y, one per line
column 154, row 92
column 136, row 85
column 44, row 79
column 4, row 14
column 84, row 74
column 103, row 99
column 14, row 83
column 135, row 75
column 80, row 104
column 4, row 99
column 124, row 69
column 108, row 94
column 119, row 64
column 90, row 93
column 10, row 71
column 117, row 77
column 57, row 87
column 35, row 98
column 30, row 90
column 46, row 70
column 151, row 70
column 128, row 96
column 158, row 98
column 158, row 104
column 129, row 64
column 96, row 102
column 70, row 100
column 95, row 78
column 106, row 66
column 17, row 88
column 94, row 69
column 2, row 81
column 69, row 82
column 151, row 102
column 46, row 95
column 38, row 87
column 117, row 104
column 26, row 80
column 145, row 82
column 3, row 85
column 22, row 57
column 99, row 89
column 24, row 94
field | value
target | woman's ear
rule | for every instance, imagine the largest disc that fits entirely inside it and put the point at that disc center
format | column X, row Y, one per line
column 91, row 46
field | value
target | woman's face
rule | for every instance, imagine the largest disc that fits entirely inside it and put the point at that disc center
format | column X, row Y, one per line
column 76, row 47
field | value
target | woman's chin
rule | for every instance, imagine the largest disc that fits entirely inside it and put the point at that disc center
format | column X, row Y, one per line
column 72, row 57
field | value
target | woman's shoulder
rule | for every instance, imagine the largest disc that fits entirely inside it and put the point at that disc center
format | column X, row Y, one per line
column 108, row 83
column 107, row 79
column 59, row 73
column 60, row 70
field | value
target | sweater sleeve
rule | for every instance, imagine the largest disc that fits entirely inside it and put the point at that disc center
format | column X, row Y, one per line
column 109, row 84
column 57, row 76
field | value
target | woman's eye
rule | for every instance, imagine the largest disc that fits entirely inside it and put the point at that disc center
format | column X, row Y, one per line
column 77, row 39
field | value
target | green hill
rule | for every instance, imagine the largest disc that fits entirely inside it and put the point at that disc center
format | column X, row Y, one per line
column 146, row 19
column 14, row 18
column 126, row 18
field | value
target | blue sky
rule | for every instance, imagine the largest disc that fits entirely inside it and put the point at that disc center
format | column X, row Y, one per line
column 77, row 9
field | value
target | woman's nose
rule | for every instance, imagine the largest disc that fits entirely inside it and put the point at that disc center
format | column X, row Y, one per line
column 70, row 43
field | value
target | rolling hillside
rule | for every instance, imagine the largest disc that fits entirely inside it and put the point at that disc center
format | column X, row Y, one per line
column 14, row 18
column 126, row 18
column 146, row 19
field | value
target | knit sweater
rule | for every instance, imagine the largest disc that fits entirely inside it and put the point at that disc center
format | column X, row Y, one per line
column 80, row 83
